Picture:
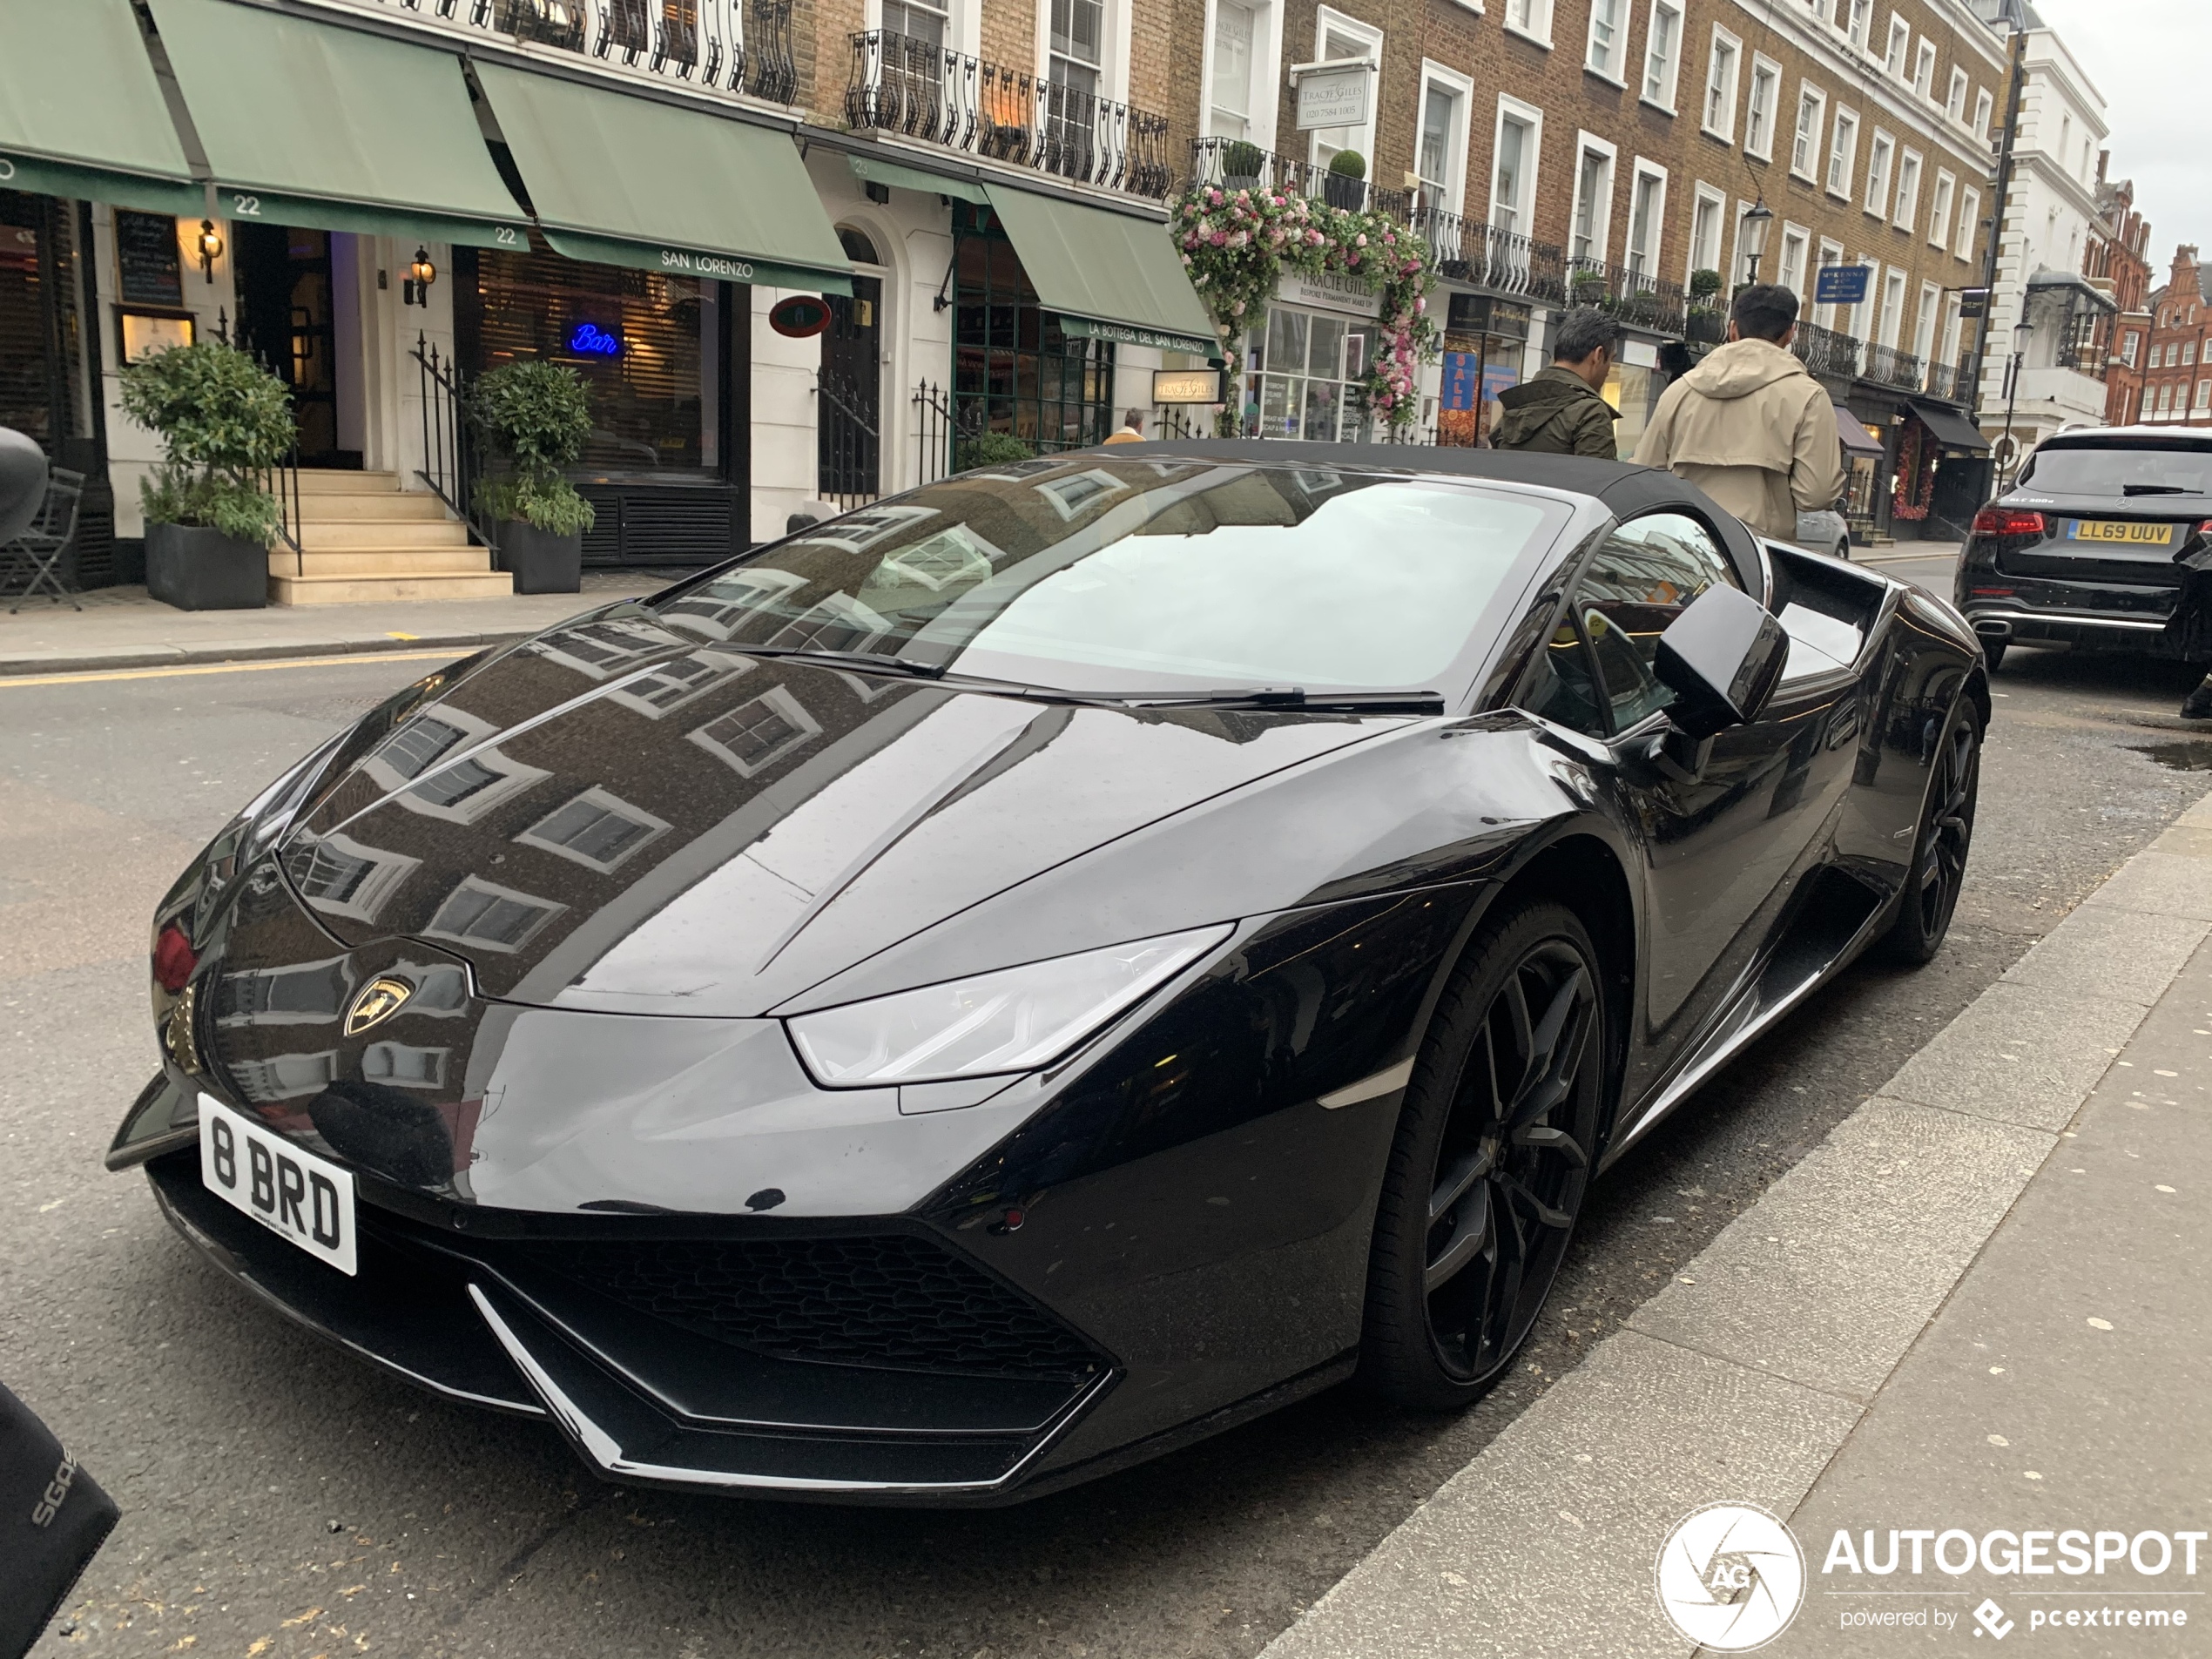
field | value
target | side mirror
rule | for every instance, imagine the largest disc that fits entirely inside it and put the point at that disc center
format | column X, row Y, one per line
column 23, row 483
column 1722, row 658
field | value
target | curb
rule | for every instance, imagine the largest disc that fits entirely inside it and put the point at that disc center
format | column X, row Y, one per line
column 181, row 655
column 1745, row 1375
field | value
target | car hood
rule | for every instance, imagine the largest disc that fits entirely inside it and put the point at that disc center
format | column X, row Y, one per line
column 616, row 817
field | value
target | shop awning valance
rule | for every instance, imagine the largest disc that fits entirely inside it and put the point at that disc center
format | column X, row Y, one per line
column 81, row 113
column 873, row 169
column 1953, row 430
column 309, row 123
column 1112, row 275
column 1856, row 440
column 624, row 180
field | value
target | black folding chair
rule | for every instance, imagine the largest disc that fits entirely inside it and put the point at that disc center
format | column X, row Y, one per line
column 35, row 557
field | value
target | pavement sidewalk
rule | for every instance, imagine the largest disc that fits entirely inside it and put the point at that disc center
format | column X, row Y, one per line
column 122, row 628
column 1977, row 1312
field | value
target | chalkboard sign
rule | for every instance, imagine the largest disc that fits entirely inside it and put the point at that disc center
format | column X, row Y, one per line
column 146, row 267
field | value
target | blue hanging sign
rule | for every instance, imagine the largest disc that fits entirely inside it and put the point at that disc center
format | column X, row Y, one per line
column 1459, row 390
column 1840, row 285
column 591, row 340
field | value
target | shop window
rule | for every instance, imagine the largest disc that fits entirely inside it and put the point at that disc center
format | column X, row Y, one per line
column 658, row 401
column 42, row 360
column 1015, row 369
column 1306, row 375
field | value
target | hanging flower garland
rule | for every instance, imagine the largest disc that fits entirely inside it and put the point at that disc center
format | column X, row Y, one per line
column 1237, row 244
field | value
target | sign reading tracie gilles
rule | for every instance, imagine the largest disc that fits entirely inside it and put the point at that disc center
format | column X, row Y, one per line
column 590, row 340
column 1840, row 285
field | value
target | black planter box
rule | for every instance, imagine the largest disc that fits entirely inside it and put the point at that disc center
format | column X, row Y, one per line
column 196, row 569
column 539, row 561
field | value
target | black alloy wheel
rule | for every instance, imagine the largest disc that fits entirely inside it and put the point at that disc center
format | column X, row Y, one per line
column 1940, row 844
column 1494, row 1154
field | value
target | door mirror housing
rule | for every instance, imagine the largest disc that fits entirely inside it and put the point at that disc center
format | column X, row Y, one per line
column 1722, row 657
column 23, row 483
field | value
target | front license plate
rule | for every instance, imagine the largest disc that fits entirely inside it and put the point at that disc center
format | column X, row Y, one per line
column 306, row 1199
column 2113, row 530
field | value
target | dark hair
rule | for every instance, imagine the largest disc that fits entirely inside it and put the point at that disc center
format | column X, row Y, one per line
column 1582, row 331
column 1763, row 311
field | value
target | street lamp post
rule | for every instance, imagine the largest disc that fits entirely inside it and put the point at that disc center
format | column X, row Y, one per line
column 1757, row 224
column 2021, row 330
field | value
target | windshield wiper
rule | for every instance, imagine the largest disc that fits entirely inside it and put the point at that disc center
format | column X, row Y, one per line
column 872, row 662
column 1288, row 697
column 2157, row 489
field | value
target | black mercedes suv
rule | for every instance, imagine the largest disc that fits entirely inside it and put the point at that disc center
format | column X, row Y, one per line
column 2086, row 548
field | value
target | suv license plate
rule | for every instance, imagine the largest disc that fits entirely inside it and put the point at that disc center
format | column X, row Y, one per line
column 294, row 1194
column 2112, row 530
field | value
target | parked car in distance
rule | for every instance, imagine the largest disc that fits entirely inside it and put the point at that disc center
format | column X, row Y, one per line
column 2085, row 549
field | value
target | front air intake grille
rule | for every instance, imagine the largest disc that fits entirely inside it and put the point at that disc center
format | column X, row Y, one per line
column 891, row 1300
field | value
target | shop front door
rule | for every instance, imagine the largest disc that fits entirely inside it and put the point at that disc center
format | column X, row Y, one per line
column 286, row 317
column 848, row 425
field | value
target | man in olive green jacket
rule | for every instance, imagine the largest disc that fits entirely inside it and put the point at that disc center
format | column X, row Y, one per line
column 1560, row 412
column 1749, row 426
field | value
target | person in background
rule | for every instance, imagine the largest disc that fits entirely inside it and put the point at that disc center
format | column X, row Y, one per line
column 1132, row 428
column 1559, row 412
column 1749, row 426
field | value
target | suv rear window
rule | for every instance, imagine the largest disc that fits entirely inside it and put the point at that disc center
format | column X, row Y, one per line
column 2107, row 469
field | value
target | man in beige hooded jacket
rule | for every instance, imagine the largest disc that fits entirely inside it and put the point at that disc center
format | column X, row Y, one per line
column 1749, row 426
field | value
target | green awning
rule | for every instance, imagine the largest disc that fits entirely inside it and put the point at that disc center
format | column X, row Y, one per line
column 871, row 169
column 1104, row 267
column 81, row 113
column 309, row 123
column 624, row 180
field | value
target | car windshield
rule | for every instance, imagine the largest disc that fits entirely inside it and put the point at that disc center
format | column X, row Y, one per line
column 1094, row 575
column 2107, row 469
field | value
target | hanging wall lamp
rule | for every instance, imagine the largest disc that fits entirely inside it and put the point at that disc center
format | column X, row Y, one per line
column 416, row 291
column 211, row 248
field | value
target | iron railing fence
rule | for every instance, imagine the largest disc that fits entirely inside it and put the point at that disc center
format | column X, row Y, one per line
column 1943, row 380
column 848, row 441
column 1223, row 162
column 1635, row 298
column 733, row 46
column 932, row 420
column 452, row 459
column 1888, row 366
column 282, row 481
column 1500, row 261
column 1825, row 353
column 903, row 84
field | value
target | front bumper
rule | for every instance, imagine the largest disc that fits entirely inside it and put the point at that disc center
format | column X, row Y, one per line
column 510, row 1324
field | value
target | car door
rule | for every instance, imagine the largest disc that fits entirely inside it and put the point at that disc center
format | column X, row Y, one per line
column 1722, row 850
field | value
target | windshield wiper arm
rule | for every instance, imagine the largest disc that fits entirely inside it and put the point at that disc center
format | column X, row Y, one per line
column 1290, row 697
column 2157, row 489
column 873, row 662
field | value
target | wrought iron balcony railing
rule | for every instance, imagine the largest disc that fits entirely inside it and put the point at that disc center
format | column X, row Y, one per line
column 903, row 84
column 1943, row 380
column 1887, row 366
column 1499, row 262
column 1233, row 164
column 1639, row 301
column 717, row 45
column 1825, row 353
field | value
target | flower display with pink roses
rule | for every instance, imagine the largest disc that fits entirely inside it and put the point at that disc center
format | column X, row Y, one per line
column 1237, row 243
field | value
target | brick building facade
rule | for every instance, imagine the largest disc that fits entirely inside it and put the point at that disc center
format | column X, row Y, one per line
column 2177, row 366
column 2119, row 262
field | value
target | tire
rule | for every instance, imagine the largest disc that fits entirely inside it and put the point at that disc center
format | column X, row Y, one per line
column 1842, row 549
column 1940, row 842
column 1992, row 652
column 1488, row 1171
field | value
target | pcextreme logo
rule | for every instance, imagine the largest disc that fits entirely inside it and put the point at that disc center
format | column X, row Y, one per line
column 1731, row 1577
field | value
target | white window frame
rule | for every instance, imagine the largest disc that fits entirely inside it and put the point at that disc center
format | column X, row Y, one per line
column 1844, row 122
column 1799, row 237
column 1946, row 198
column 1881, row 172
column 1325, row 22
column 1611, row 71
column 1969, row 223
column 1829, row 251
column 1705, row 110
column 1896, row 50
column 1764, row 71
column 1909, row 165
column 1663, row 97
column 1654, row 224
column 1856, row 19
column 1984, row 112
column 1267, row 73
column 606, row 801
column 1528, row 114
column 1953, row 322
column 1926, row 321
column 1954, row 101
column 1586, row 142
column 1455, row 157
column 1815, row 154
column 1702, row 197
column 1531, row 20
column 1889, row 316
column 1924, row 69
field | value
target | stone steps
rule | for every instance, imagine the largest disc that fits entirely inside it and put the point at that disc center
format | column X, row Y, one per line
column 364, row 539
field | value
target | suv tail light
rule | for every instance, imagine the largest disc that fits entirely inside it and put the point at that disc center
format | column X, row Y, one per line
column 2007, row 521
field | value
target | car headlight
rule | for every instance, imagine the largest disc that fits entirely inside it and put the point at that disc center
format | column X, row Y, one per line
column 1016, row 1020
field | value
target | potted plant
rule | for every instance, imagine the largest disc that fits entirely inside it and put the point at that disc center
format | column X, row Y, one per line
column 1345, row 186
column 536, row 418
column 1707, row 321
column 990, row 450
column 223, row 421
column 1241, row 162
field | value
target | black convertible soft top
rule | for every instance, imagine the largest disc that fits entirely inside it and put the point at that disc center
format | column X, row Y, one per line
column 1623, row 487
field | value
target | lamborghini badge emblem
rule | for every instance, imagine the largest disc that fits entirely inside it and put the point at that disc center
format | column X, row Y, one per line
column 379, row 1001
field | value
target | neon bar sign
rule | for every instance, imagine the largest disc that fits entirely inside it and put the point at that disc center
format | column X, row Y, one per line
column 590, row 340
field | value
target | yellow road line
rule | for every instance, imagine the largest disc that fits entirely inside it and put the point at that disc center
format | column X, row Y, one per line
column 357, row 656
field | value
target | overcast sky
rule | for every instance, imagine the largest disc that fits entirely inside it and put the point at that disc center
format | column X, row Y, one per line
column 2148, row 57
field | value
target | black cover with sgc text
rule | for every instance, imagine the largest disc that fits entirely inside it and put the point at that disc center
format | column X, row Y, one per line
column 53, row 1519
